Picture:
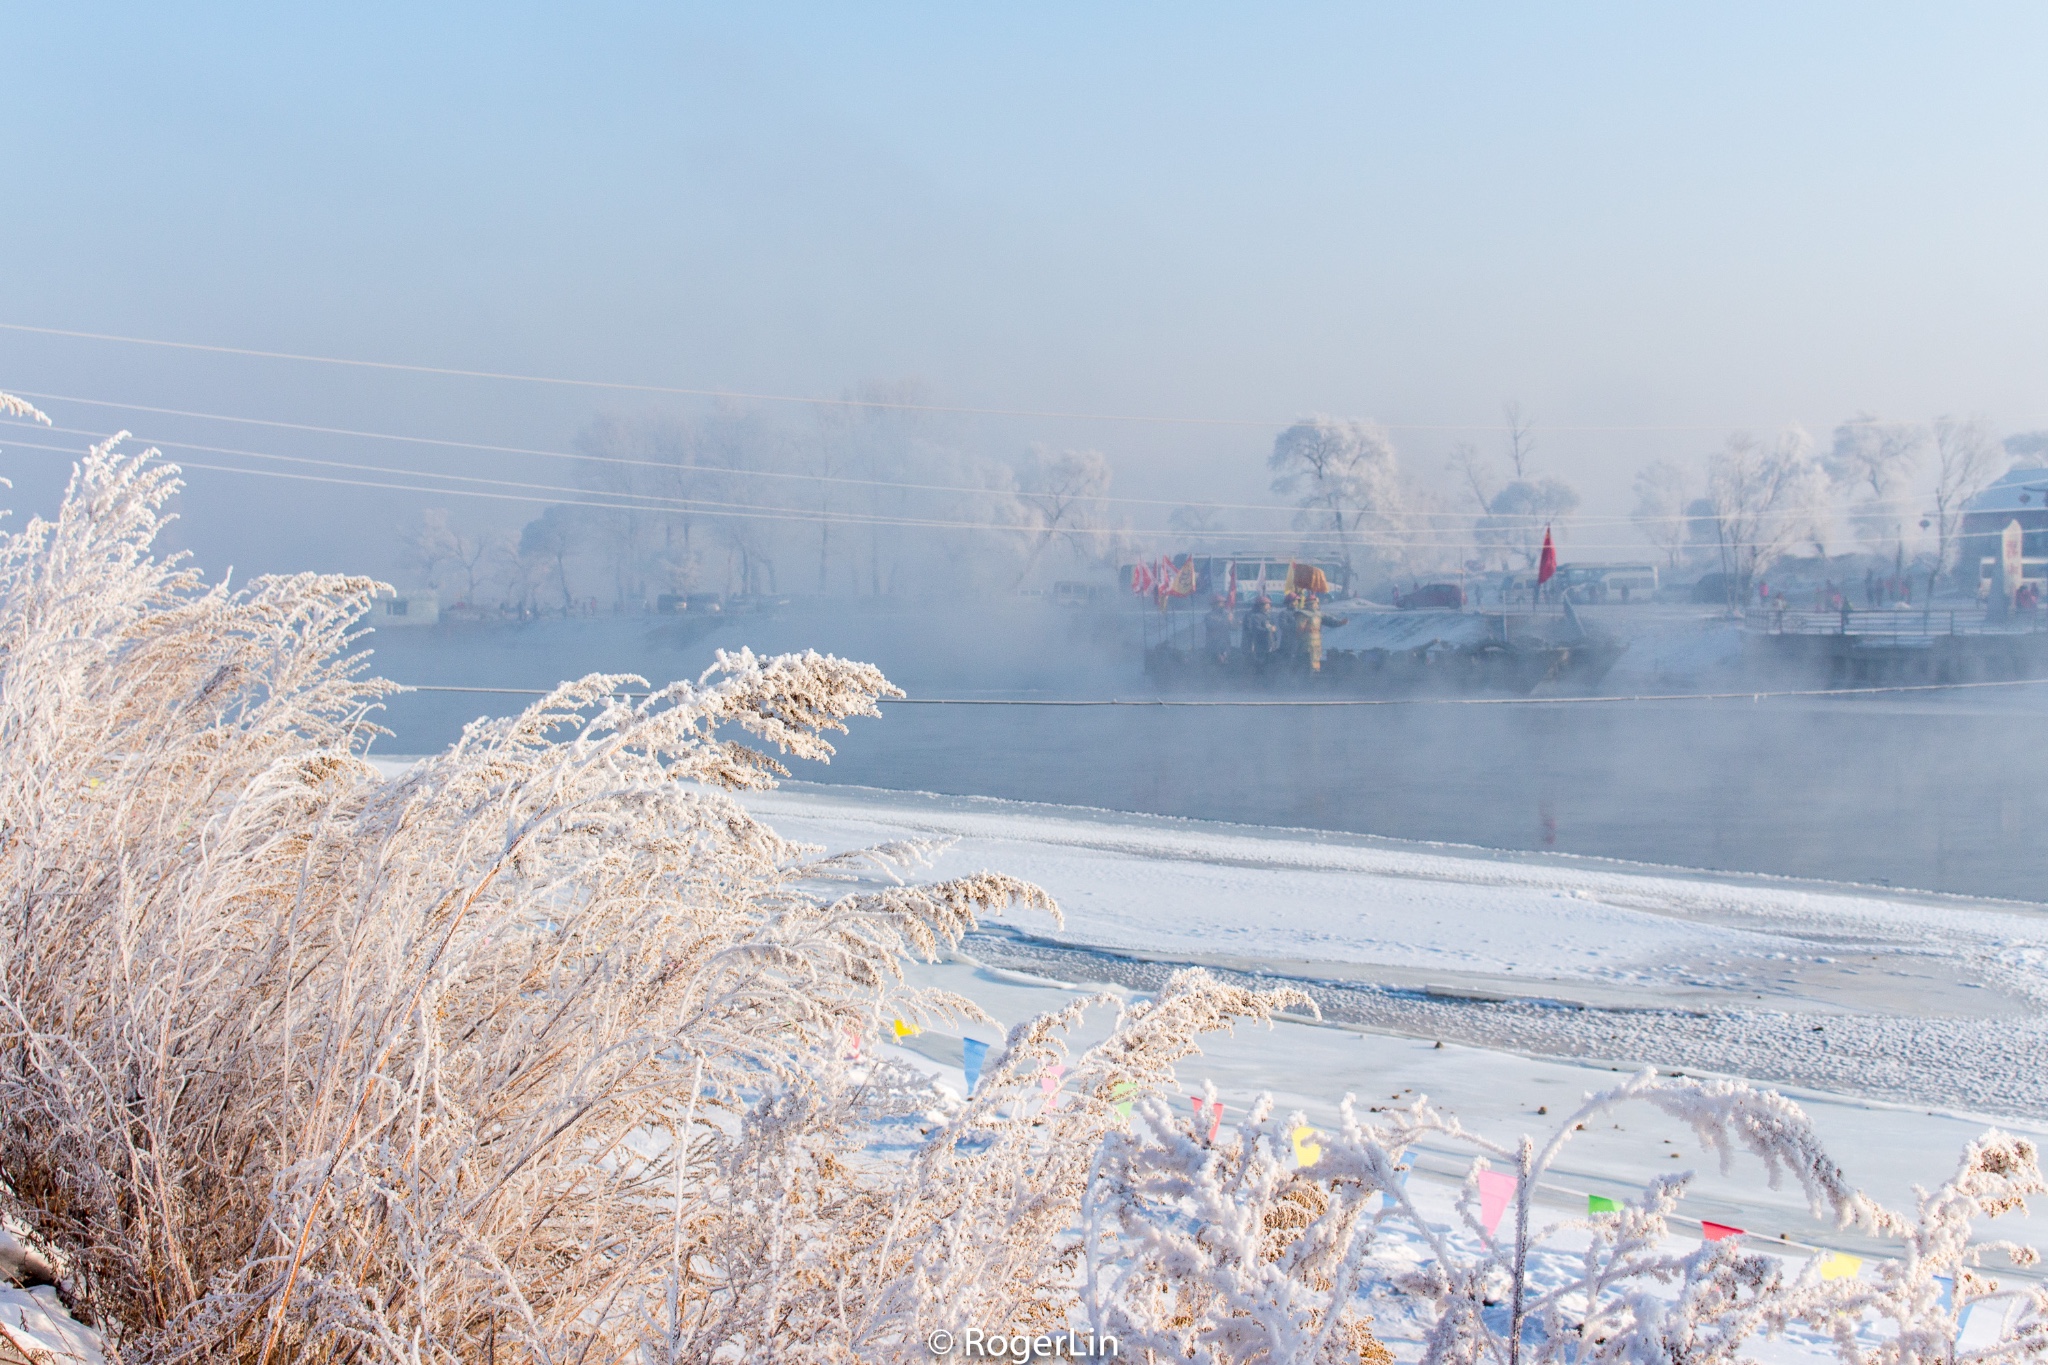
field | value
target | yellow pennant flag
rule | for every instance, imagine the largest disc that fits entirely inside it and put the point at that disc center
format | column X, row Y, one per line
column 1837, row 1265
column 1306, row 1152
column 904, row 1029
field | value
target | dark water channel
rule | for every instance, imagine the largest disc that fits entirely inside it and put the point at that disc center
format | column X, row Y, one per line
column 1939, row 792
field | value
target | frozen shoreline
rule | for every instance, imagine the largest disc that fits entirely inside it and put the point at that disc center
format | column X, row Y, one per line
column 1926, row 1000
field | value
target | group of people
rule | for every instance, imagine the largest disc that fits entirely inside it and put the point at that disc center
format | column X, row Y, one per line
column 1881, row 590
column 1260, row 634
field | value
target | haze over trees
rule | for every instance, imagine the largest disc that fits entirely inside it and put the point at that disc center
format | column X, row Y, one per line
column 879, row 498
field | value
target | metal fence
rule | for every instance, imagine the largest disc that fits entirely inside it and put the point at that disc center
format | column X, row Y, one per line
column 1884, row 622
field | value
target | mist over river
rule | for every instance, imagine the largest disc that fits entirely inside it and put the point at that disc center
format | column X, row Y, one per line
column 1934, row 791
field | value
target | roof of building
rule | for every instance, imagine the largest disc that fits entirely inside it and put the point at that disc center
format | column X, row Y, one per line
column 2021, row 490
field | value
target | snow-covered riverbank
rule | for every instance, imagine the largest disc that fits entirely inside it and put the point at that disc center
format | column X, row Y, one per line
column 1842, row 997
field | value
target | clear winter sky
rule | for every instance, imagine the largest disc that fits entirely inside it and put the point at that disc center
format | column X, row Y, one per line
column 1621, row 215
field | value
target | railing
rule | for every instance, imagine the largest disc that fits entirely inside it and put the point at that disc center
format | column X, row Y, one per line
column 1911, row 623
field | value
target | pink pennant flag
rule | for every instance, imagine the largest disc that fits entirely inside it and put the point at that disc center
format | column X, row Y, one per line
column 1049, row 1082
column 1496, row 1188
column 1204, row 1110
column 1714, row 1232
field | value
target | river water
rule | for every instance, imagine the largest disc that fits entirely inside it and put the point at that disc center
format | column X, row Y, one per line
column 1939, row 792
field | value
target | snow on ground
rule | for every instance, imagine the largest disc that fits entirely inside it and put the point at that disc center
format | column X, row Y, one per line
column 35, row 1327
column 1603, row 933
column 1926, row 1000
column 1904, row 1025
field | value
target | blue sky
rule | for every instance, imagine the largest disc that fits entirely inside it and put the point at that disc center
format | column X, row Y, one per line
column 1621, row 215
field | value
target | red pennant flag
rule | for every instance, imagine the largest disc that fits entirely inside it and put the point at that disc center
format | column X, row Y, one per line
column 1546, row 567
column 1714, row 1232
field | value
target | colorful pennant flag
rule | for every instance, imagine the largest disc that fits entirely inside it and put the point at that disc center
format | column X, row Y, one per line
column 1600, row 1203
column 1049, row 1082
column 1214, row 1115
column 1837, row 1265
column 1119, row 1094
column 1496, row 1188
column 973, row 1052
column 1306, row 1152
column 1715, row 1232
column 903, row 1028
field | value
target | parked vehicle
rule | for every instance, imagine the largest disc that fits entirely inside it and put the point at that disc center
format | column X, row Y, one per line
column 1432, row 597
column 1593, row 583
column 1711, row 589
column 675, row 603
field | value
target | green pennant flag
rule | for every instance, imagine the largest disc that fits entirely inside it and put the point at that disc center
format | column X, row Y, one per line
column 1600, row 1203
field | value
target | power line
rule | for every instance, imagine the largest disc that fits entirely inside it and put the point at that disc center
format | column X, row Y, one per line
column 1530, row 519
column 852, row 403
column 1428, row 537
column 1446, row 539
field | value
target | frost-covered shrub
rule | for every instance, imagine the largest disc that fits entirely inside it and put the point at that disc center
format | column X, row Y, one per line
column 1236, row 1252
column 291, row 1055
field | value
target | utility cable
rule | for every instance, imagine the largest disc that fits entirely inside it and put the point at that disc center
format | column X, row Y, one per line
column 687, row 468
column 713, row 508
column 1295, row 702
column 853, row 403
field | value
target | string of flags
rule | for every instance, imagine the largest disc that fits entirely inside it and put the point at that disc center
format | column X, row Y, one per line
column 1497, row 1189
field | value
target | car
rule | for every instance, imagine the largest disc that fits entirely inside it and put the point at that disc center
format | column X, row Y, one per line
column 1712, row 588
column 1432, row 597
column 672, row 603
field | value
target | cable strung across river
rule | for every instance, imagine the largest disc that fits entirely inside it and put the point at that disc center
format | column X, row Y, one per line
column 1164, row 702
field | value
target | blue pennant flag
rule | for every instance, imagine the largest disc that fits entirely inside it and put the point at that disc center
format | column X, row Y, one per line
column 972, row 1053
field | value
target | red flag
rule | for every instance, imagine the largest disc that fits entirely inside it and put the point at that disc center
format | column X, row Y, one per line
column 1714, row 1232
column 1546, row 567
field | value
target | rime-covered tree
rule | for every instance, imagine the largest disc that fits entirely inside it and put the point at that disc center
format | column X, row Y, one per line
column 1965, row 461
column 1520, row 514
column 1762, row 500
column 1063, row 495
column 439, row 551
column 1661, row 496
column 1872, row 463
column 1346, row 480
column 548, row 541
